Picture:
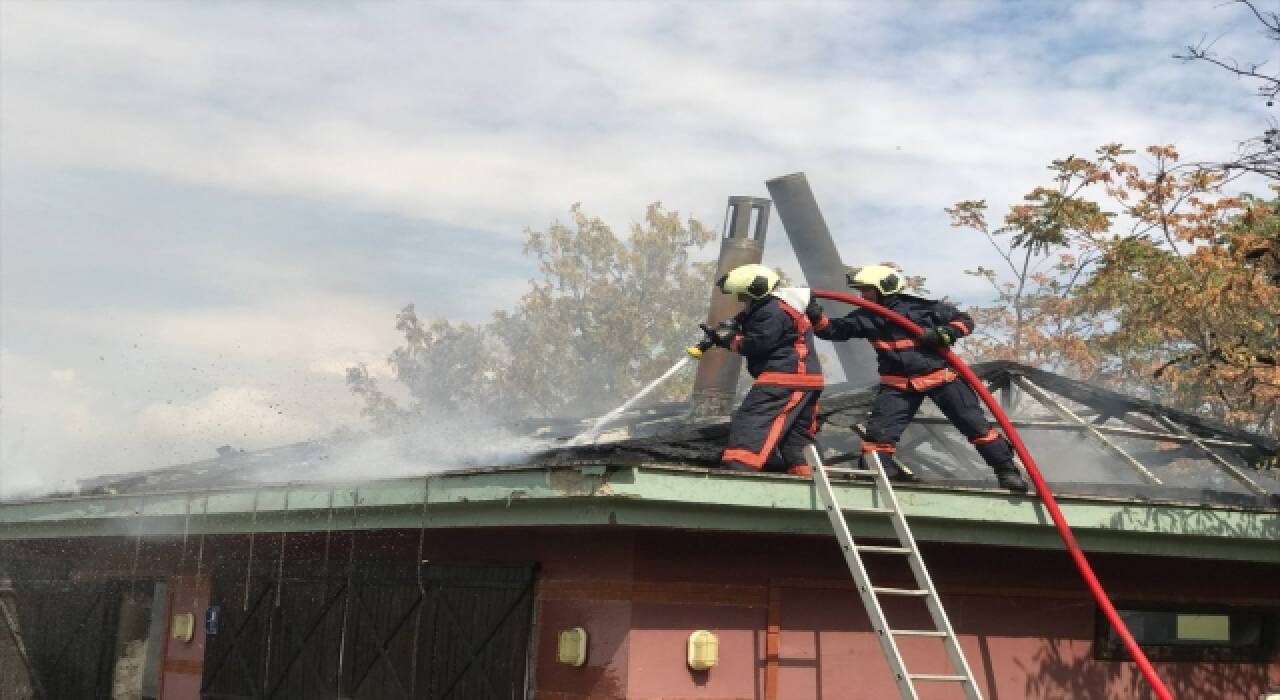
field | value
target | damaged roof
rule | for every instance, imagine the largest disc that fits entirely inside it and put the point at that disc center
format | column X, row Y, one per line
column 1130, row 476
column 1086, row 440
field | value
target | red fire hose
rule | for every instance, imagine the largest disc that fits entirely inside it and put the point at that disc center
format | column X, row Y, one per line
column 1068, row 539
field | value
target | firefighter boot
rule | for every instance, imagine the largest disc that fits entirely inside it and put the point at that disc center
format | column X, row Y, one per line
column 892, row 469
column 1009, row 477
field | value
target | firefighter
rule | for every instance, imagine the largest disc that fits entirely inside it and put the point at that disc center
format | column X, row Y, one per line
column 911, row 369
column 779, row 415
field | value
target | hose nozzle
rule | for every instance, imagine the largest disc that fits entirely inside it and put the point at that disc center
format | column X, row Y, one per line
column 697, row 351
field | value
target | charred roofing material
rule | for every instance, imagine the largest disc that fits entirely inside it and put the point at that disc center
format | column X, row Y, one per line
column 1141, row 451
column 1192, row 459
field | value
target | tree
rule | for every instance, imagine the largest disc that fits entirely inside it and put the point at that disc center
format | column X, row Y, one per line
column 443, row 367
column 1190, row 310
column 604, row 317
column 1048, row 244
column 1174, row 294
column 1261, row 154
column 1268, row 84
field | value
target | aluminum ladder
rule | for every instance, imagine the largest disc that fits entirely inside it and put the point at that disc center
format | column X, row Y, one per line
column 871, row 594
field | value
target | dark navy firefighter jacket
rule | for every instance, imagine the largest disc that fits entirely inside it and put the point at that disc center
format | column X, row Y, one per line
column 777, row 341
column 903, row 362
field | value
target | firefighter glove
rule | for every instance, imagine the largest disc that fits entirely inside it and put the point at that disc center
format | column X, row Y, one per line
column 814, row 311
column 937, row 337
column 722, row 334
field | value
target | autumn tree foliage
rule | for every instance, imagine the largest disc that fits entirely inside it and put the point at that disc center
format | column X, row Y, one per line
column 1151, row 278
column 1048, row 244
column 605, row 316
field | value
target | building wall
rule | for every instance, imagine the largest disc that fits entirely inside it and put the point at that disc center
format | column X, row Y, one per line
column 183, row 661
column 789, row 623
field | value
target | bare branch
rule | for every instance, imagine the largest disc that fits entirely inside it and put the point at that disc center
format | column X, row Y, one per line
column 1259, row 156
column 1270, row 20
column 1269, row 86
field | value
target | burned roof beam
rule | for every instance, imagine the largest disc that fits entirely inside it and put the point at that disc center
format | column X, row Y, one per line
column 1142, row 422
column 1090, row 395
column 1055, row 406
column 1104, row 429
column 1217, row 459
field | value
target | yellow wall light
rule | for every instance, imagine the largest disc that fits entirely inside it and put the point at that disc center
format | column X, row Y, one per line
column 572, row 647
column 704, row 650
column 183, row 627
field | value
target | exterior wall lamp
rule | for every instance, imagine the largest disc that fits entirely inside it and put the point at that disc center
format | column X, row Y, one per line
column 183, row 626
column 571, row 649
column 704, row 650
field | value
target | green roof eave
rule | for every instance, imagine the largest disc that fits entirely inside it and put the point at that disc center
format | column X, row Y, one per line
column 650, row 496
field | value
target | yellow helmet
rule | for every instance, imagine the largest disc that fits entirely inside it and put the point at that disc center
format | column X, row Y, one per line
column 882, row 277
column 756, row 281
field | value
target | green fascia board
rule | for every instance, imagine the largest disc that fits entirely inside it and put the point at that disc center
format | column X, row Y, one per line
column 651, row 496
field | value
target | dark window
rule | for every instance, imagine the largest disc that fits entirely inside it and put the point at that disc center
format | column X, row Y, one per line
column 1189, row 633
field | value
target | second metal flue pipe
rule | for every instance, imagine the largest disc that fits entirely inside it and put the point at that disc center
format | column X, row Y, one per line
column 745, row 227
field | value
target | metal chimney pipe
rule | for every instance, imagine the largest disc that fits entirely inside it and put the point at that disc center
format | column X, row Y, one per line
column 820, row 262
column 716, row 384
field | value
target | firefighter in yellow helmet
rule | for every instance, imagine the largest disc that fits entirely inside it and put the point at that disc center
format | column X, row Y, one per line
column 778, row 416
column 911, row 369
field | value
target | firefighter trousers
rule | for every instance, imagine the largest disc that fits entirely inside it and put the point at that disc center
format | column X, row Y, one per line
column 771, row 428
column 893, row 409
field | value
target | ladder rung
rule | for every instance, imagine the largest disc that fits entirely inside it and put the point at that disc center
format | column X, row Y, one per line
column 936, row 677
column 853, row 472
column 901, row 591
column 869, row 593
column 883, row 550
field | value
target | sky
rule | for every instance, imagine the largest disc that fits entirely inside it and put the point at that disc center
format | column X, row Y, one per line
column 209, row 210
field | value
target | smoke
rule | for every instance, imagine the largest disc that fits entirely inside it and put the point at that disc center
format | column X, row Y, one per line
column 437, row 442
column 443, row 443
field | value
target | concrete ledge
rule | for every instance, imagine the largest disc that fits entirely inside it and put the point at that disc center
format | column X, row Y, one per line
column 650, row 496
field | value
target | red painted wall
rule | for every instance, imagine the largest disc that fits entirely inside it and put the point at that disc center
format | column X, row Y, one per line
column 1026, row 624
column 183, row 662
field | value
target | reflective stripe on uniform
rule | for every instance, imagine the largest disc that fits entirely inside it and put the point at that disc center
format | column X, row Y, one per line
column 800, row 380
column 920, row 382
column 802, row 326
column 904, row 344
column 964, row 330
column 987, row 438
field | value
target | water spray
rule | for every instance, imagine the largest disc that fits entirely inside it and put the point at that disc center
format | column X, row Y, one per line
column 1042, row 488
column 693, row 352
column 590, row 434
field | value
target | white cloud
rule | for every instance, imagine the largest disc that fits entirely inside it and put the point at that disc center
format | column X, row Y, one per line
column 484, row 118
column 428, row 119
column 63, row 376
